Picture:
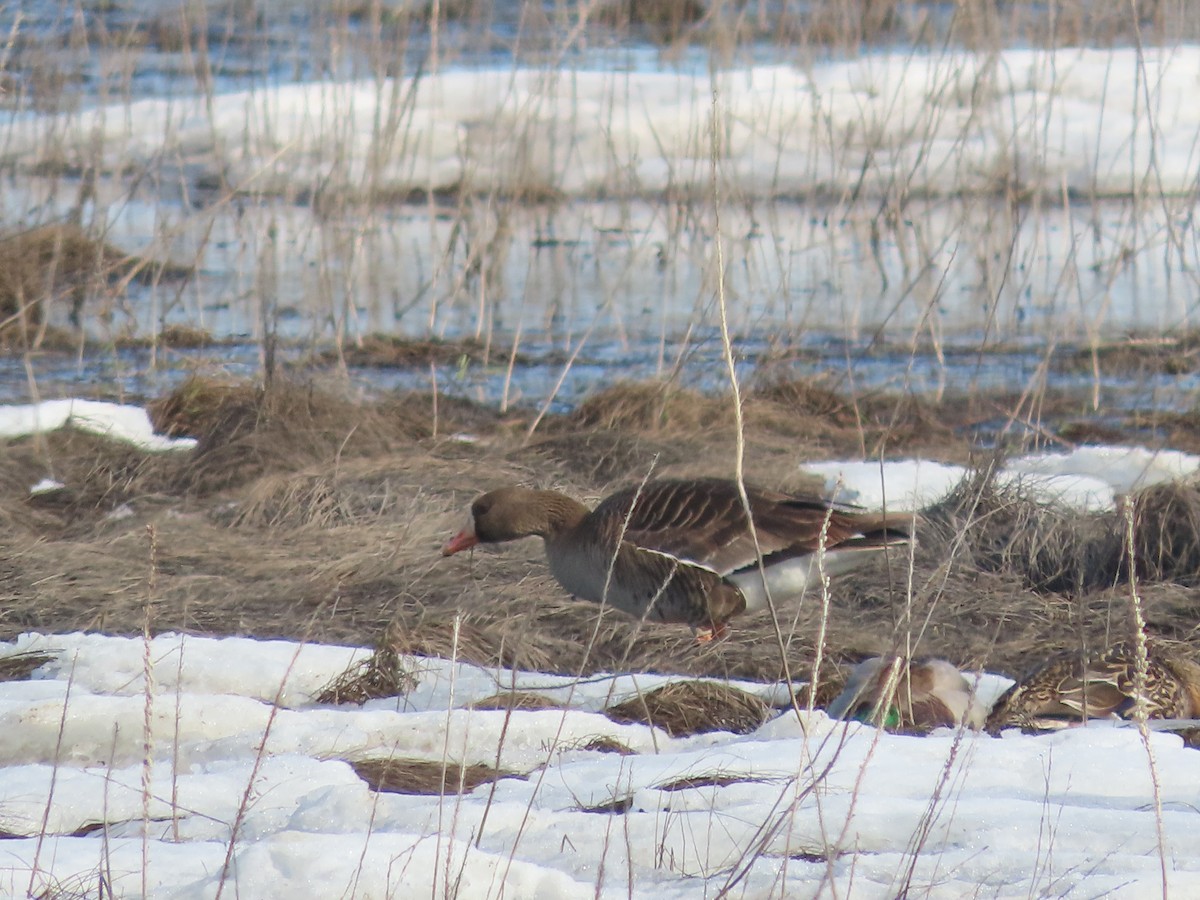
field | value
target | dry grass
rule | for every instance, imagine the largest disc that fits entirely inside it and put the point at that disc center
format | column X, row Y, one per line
column 61, row 263
column 382, row 674
column 618, row 806
column 387, row 351
column 602, row 744
column 421, row 776
column 708, row 779
column 306, row 516
column 19, row 666
column 516, row 700
column 684, row 708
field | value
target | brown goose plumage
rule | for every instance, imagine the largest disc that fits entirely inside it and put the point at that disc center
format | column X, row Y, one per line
column 1057, row 694
column 908, row 695
column 682, row 550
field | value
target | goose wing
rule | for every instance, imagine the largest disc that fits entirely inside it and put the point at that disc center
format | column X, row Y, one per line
column 704, row 522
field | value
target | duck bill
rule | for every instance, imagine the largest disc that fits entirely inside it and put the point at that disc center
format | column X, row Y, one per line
column 464, row 540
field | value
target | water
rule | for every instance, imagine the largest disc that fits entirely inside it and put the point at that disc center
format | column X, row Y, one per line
column 930, row 296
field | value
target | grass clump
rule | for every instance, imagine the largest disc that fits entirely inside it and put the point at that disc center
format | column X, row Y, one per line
column 422, row 776
column 708, row 779
column 516, row 700
column 1167, row 532
column 602, row 743
column 382, row 674
column 648, row 407
column 61, row 262
column 19, row 666
column 684, row 708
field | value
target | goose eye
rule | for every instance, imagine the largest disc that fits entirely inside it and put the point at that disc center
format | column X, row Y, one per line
column 480, row 509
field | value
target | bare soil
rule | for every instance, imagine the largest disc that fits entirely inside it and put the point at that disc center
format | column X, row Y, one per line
column 303, row 514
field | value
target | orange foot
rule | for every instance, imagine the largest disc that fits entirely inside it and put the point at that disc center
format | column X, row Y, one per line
column 712, row 633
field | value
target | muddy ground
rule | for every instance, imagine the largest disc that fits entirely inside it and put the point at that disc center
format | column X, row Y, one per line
column 305, row 515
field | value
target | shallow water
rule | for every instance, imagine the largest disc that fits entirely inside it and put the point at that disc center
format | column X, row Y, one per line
column 929, row 296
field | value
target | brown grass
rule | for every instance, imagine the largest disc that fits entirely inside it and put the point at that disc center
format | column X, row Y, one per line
column 708, row 779
column 421, row 776
column 382, row 674
column 386, row 351
column 617, row 806
column 306, row 515
column 56, row 263
column 602, row 744
column 516, row 700
column 19, row 666
column 684, row 708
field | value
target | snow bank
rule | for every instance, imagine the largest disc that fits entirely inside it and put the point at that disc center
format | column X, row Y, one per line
column 114, row 420
column 767, row 808
column 950, row 122
column 1087, row 478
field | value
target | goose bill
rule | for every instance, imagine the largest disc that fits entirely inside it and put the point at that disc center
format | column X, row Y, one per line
column 464, row 540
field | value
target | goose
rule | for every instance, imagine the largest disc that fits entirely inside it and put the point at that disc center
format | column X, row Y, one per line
column 682, row 550
column 908, row 695
column 1071, row 688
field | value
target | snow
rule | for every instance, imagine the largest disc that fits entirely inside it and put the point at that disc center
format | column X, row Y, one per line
column 243, row 763
column 215, row 771
column 1065, row 119
column 1087, row 478
column 46, row 486
column 114, row 420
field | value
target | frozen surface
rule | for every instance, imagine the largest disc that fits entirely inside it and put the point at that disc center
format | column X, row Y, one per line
column 1065, row 119
column 240, row 764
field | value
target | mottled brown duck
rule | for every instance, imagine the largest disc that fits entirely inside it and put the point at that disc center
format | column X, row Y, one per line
column 683, row 551
column 1071, row 688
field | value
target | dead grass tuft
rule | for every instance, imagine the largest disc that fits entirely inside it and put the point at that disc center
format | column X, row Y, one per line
column 387, row 351
column 100, row 475
column 1167, row 532
column 684, row 708
column 19, row 666
column 1177, row 354
column 601, row 456
column 483, row 640
column 355, row 493
column 640, row 407
column 516, row 700
column 246, row 432
column 60, row 262
column 664, row 21
column 602, row 744
column 708, row 779
column 1009, row 529
column 421, row 776
column 618, row 806
column 202, row 406
column 185, row 337
column 382, row 674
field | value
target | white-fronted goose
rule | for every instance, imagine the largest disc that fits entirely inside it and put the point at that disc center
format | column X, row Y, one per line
column 908, row 695
column 682, row 550
column 1070, row 688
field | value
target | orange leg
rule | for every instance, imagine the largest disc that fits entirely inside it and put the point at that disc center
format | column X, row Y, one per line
column 712, row 633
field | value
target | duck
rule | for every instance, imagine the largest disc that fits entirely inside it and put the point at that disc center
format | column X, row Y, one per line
column 682, row 550
column 1071, row 688
column 908, row 695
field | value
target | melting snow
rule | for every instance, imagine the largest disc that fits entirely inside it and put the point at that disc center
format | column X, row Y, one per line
column 1056, row 119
